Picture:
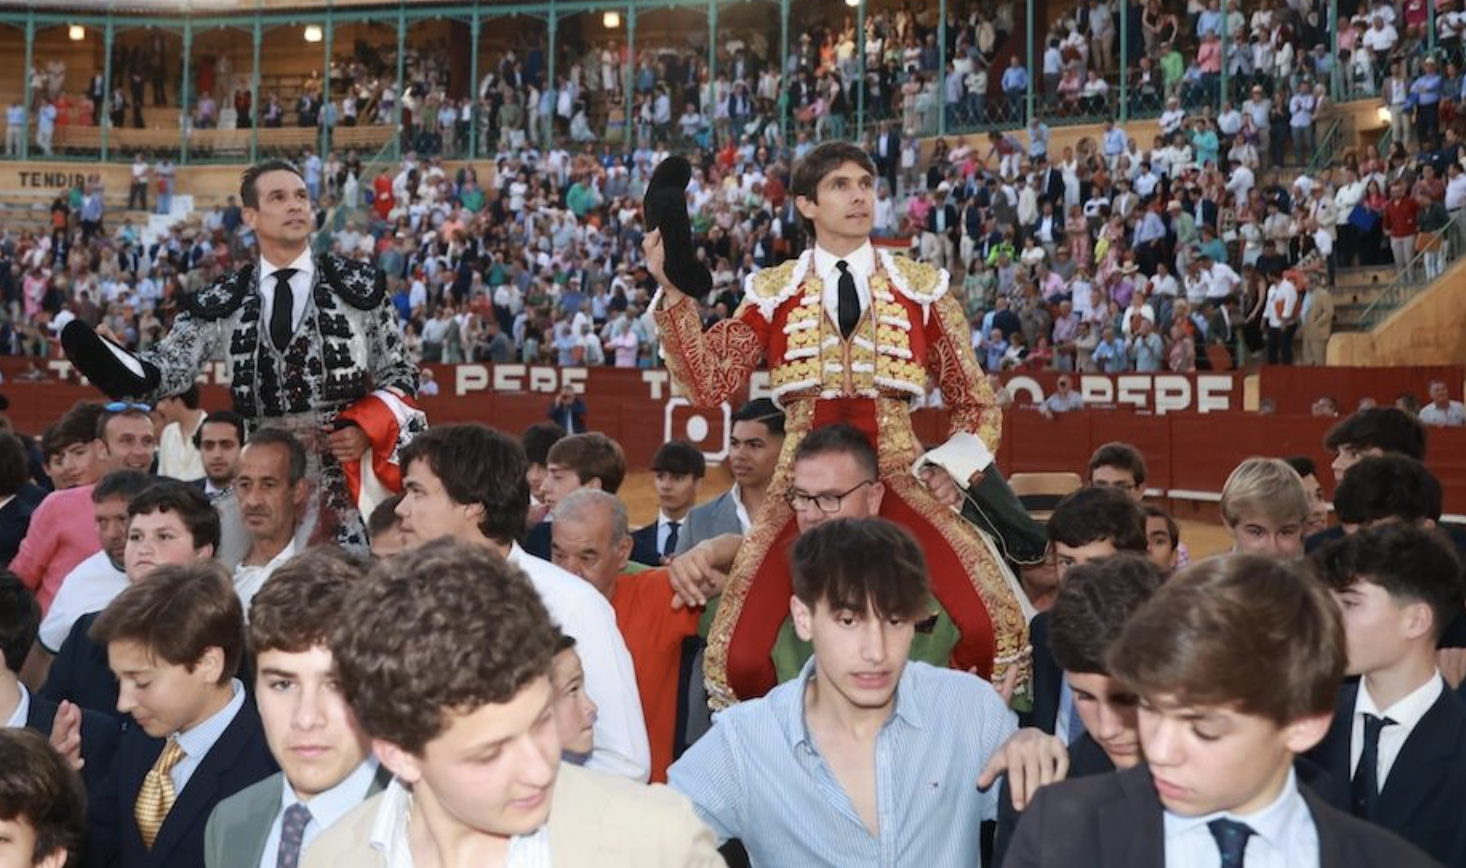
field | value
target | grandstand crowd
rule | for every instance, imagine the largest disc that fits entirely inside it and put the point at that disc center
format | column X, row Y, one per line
column 1213, row 244
column 200, row 670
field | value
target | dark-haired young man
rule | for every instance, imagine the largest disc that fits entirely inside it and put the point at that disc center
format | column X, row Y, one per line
column 1369, row 433
column 444, row 654
column 1089, row 524
column 169, row 523
column 679, row 468
column 469, row 482
column 1091, row 609
column 326, row 762
column 174, row 643
column 854, row 763
column 219, row 440
column 851, row 334
column 579, row 461
column 305, row 340
column 62, row 534
column 1399, row 735
column 754, row 446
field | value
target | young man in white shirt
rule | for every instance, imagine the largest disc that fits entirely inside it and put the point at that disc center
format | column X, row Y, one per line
column 470, row 482
column 444, row 654
column 1441, row 410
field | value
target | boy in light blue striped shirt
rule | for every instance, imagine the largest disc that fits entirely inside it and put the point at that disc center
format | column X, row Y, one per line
column 865, row 759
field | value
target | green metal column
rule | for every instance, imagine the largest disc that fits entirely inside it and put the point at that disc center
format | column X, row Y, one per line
column 783, row 95
column 548, row 138
column 329, row 38
column 30, row 45
column 104, row 118
column 256, row 99
column 401, row 80
column 1224, row 96
column 712, row 53
column 1429, row 31
column 473, row 102
column 185, row 93
column 860, row 91
column 1124, row 60
column 1028, row 41
column 630, row 83
column 942, row 68
column 1336, row 79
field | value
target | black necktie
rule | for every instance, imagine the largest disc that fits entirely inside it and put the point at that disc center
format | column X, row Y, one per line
column 1364, row 789
column 849, row 300
column 671, row 547
column 281, row 324
column 1231, row 840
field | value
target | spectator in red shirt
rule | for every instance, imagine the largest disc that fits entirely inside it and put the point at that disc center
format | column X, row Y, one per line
column 1401, row 220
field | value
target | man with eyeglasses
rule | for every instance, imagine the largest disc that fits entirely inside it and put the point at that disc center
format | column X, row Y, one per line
column 835, row 476
column 311, row 344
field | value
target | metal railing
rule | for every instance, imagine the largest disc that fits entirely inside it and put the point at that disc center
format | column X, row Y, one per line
column 1423, row 269
column 1323, row 151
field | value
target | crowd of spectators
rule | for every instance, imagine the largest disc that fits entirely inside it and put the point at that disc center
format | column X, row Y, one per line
column 1207, row 245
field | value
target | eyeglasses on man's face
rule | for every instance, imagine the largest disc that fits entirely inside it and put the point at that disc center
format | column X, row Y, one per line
column 827, row 503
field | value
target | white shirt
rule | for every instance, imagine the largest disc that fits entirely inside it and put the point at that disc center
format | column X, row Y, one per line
column 178, row 458
column 389, row 835
column 1430, row 414
column 89, row 587
column 1282, row 302
column 585, row 615
column 300, row 288
column 22, row 709
column 325, row 809
column 1406, row 713
column 861, row 263
column 1284, row 835
column 249, row 579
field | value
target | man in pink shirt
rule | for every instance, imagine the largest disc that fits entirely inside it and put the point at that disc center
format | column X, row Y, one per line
column 63, row 532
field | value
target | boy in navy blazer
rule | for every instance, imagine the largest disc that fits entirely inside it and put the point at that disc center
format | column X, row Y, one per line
column 1399, row 734
column 1236, row 663
column 174, row 642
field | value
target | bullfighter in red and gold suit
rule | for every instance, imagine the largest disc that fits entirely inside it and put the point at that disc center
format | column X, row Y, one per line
column 850, row 334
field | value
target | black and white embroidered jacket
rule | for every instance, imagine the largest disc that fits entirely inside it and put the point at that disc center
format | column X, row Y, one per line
column 347, row 344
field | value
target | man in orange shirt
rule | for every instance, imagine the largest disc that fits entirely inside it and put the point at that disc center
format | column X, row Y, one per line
column 592, row 539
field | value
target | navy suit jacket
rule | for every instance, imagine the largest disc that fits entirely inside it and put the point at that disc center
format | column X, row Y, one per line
column 1048, row 678
column 537, row 541
column 80, row 673
column 644, row 546
column 238, row 759
column 1115, row 821
column 99, row 736
column 1422, row 798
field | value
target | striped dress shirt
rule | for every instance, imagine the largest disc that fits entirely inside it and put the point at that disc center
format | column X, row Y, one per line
column 759, row 776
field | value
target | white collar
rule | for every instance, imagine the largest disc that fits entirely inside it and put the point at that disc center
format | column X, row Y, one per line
column 1406, row 711
column 1272, row 823
column 22, row 711
column 861, row 261
column 303, row 265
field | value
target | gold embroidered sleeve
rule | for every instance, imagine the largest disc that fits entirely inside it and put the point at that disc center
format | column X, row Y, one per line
column 710, row 367
column 964, row 387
